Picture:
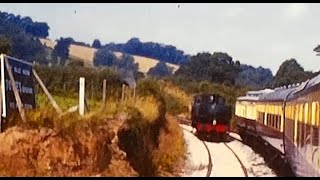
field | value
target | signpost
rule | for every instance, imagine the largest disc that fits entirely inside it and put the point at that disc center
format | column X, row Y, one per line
column 17, row 86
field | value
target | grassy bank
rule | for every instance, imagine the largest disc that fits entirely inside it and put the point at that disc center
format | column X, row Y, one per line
column 143, row 128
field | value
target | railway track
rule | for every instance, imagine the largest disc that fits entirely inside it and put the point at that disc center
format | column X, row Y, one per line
column 244, row 169
column 188, row 123
column 210, row 160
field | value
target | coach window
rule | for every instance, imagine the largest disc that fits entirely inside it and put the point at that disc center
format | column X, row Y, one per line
column 307, row 121
column 296, row 120
column 274, row 120
column 301, row 126
column 314, row 124
column 279, row 122
column 292, row 112
column 288, row 112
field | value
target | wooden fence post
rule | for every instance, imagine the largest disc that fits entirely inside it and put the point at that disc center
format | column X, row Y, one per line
column 91, row 89
column 81, row 96
column 53, row 102
column 123, row 90
column 134, row 92
column 104, row 89
column 1, row 129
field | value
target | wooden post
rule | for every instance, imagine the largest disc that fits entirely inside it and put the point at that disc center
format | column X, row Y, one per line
column 81, row 96
column 1, row 129
column 134, row 92
column 86, row 105
column 104, row 89
column 91, row 89
column 15, row 91
column 52, row 101
column 123, row 89
column 2, row 73
column 3, row 92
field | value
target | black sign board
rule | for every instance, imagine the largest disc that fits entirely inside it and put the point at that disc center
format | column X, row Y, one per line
column 23, row 76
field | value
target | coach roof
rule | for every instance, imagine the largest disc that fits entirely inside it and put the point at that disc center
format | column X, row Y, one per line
column 278, row 94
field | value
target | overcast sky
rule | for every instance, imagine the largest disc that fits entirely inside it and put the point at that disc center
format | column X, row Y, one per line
column 256, row 34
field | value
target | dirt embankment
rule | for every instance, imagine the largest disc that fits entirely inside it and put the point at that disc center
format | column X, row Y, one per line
column 88, row 150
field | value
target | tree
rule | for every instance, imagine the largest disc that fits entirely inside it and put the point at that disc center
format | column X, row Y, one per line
column 38, row 29
column 126, row 62
column 96, row 44
column 167, row 53
column 61, row 49
column 104, row 57
column 22, row 45
column 4, row 45
column 160, row 70
column 254, row 77
column 317, row 50
column 217, row 67
column 290, row 72
column 76, row 63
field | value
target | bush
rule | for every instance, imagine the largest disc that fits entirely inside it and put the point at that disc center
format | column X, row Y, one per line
column 171, row 151
column 64, row 80
column 154, row 144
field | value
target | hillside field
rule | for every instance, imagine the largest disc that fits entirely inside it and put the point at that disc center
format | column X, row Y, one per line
column 87, row 54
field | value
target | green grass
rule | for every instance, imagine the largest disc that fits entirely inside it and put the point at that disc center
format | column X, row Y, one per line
column 67, row 102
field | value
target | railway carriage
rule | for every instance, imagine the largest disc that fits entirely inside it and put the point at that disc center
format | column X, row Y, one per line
column 287, row 120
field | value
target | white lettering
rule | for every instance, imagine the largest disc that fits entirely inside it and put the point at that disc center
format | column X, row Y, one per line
column 17, row 70
column 26, row 72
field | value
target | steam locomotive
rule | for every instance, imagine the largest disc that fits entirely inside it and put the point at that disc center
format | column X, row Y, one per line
column 210, row 116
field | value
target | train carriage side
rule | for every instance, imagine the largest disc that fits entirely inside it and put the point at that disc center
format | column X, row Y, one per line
column 245, row 115
column 271, row 118
column 302, row 129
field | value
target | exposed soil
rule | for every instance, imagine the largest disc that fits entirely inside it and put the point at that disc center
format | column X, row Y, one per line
column 49, row 152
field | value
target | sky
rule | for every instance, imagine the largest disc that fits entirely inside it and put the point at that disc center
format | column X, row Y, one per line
column 254, row 33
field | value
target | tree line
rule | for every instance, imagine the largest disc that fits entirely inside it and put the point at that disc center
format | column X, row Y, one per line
column 19, row 38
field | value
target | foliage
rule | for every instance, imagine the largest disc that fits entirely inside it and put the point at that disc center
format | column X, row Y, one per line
column 317, row 49
column 38, row 29
column 96, row 44
column 160, row 70
column 104, row 57
column 4, row 45
column 64, row 80
column 134, row 46
column 80, row 43
column 23, row 45
column 257, row 78
column 61, row 50
column 125, row 63
column 290, row 72
column 217, row 67
column 75, row 63
column 154, row 144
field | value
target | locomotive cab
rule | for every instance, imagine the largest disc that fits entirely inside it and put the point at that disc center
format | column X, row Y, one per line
column 210, row 115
